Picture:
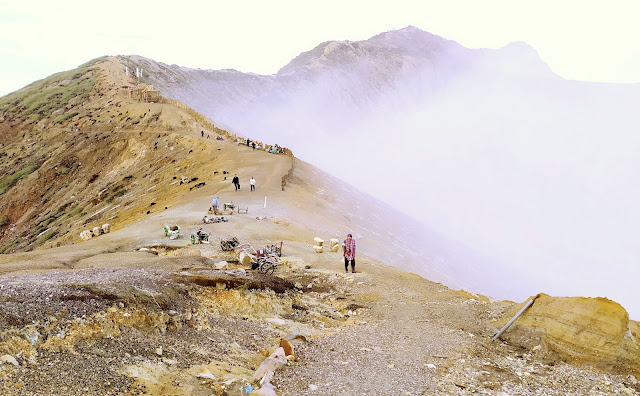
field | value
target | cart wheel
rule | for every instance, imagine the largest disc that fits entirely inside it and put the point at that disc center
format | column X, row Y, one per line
column 270, row 270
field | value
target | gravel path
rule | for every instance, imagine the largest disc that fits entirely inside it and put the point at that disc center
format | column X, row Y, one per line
column 396, row 348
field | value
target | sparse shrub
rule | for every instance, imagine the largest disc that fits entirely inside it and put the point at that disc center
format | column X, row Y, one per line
column 3, row 221
column 11, row 180
column 6, row 248
column 65, row 117
column 117, row 193
column 46, row 237
column 76, row 210
column 41, row 98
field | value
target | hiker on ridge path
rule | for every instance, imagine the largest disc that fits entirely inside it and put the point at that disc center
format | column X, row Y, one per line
column 349, row 247
column 236, row 182
column 214, row 205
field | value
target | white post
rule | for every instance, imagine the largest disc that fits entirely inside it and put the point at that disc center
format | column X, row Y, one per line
column 265, row 202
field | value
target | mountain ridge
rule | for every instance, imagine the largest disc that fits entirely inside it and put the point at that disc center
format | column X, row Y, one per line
column 134, row 312
column 486, row 132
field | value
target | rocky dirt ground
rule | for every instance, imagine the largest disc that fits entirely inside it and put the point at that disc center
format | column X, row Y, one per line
column 133, row 312
column 145, row 325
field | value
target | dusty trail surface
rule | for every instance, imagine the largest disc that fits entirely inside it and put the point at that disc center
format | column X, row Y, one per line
column 133, row 312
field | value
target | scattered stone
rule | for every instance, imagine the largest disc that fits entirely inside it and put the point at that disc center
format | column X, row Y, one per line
column 220, row 265
column 237, row 272
column 295, row 336
column 205, row 373
column 159, row 351
column 169, row 361
column 265, row 390
column 313, row 387
column 286, row 345
column 277, row 321
column 9, row 359
column 32, row 335
column 173, row 312
column 276, row 360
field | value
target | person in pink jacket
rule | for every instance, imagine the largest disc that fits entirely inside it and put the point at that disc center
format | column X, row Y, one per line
column 349, row 253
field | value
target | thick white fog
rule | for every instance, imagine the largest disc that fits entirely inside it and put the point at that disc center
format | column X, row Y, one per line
column 536, row 175
column 540, row 178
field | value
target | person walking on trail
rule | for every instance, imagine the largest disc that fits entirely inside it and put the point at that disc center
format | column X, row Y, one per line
column 349, row 253
column 236, row 182
column 252, row 182
column 214, row 205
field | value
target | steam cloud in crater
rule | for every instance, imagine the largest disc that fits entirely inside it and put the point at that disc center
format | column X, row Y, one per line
column 535, row 174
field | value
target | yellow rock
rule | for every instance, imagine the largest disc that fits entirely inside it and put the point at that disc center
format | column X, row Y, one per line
column 244, row 258
column 595, row 331
column 286, row 345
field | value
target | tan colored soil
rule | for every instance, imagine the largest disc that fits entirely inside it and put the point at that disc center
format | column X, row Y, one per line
column 103, row 317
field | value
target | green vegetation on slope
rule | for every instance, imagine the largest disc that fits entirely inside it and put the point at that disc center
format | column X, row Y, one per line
column 6, row 248
column 11, row 180
column 40, row 99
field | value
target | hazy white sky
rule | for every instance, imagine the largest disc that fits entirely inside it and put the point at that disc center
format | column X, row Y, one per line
column 582, row 40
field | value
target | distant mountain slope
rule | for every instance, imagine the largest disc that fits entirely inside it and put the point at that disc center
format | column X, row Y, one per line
column 488, row 147
column 125, row 162
column 56, row 181
column 337, row 83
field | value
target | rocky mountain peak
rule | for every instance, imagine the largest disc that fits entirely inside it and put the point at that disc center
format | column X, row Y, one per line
column 406, row 42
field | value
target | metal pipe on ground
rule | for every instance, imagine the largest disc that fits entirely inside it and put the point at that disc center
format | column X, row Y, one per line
column 516, row 316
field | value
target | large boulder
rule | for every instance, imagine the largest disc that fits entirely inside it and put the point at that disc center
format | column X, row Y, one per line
column 594, row 331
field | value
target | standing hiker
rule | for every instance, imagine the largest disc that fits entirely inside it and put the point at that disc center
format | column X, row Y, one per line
column 349, row 247
column 236, row 182
column 214, row 205
column 252, row 182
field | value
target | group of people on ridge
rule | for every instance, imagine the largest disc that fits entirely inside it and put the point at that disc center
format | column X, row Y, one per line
column 236, row 182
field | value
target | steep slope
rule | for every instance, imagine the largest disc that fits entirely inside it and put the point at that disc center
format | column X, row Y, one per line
column 488, row 147
column 77, row 153
column 134, row 312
